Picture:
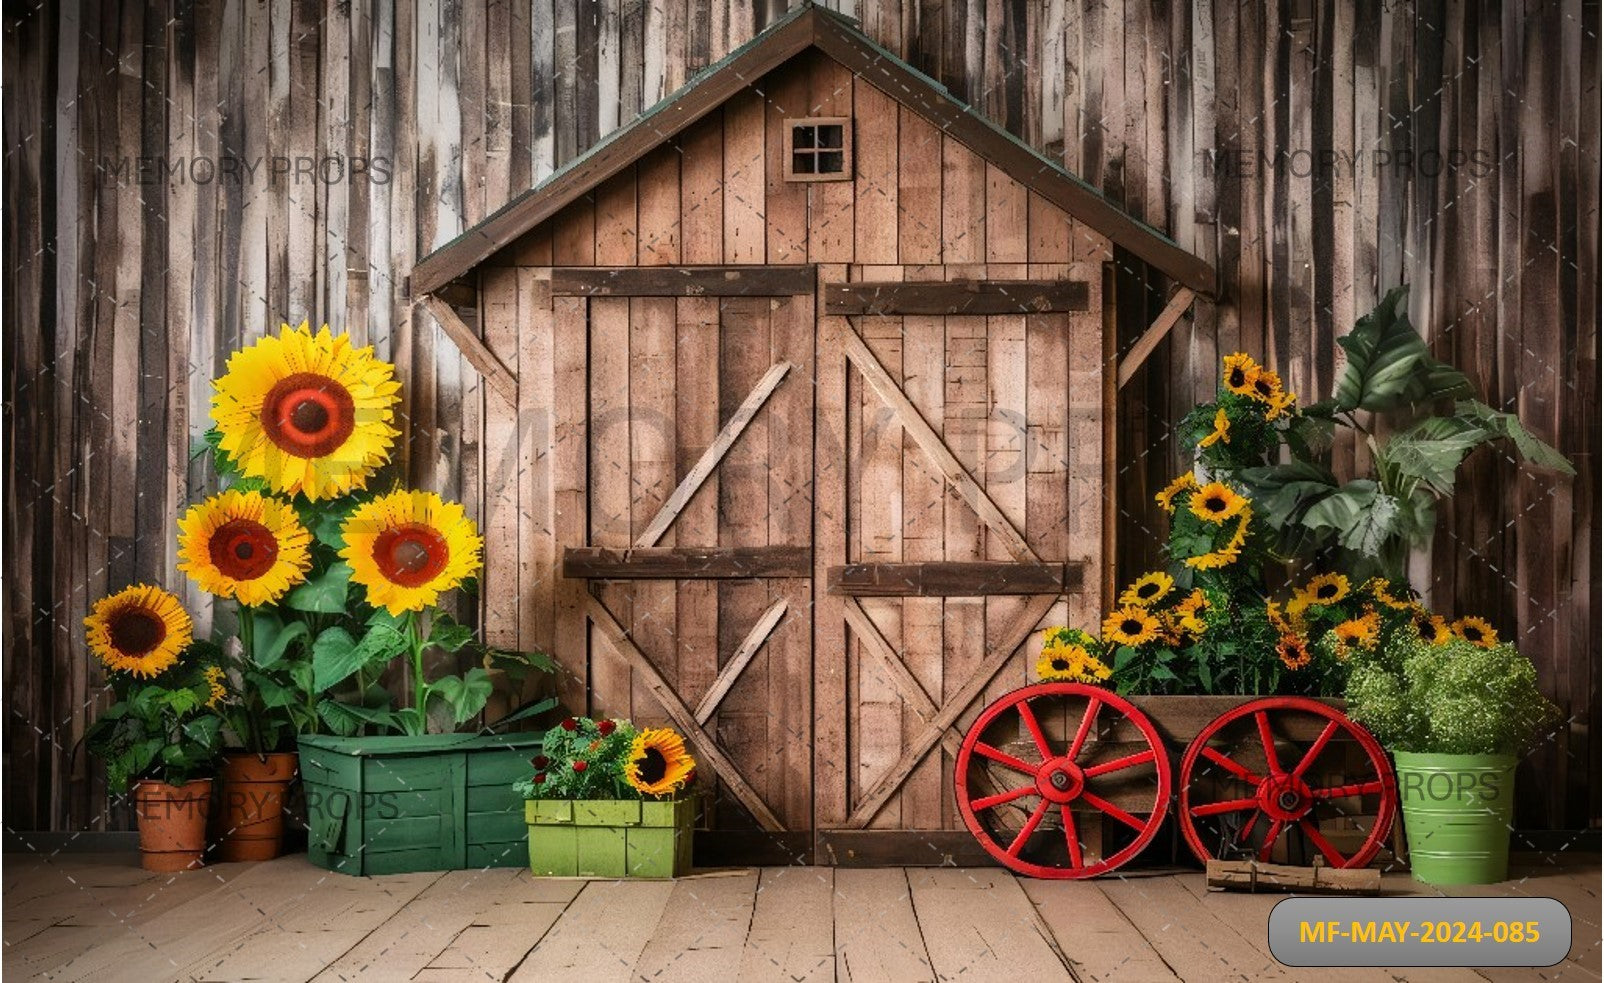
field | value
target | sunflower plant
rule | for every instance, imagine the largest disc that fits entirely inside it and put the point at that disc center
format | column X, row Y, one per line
column 164, row 724
column 608, row 758
column 1418, row 418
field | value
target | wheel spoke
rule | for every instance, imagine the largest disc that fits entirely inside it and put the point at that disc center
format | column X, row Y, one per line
column 1315, row 749
column 1103, row 805
column 1004, row 758
column 1269, row 839
column 1343, row 791
column 992, row 801
column 1268, row 740
column 1229, row 805
column 1247, row 831
column 1332, row 854
column 1029, row 718
column 1087, row 722
column 1072, row 837
column 1129, row 761
column 1239, row 770
column 1027, row 829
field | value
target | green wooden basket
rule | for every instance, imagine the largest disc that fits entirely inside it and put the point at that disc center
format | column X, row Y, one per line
column 609, row 838
column 390, row 805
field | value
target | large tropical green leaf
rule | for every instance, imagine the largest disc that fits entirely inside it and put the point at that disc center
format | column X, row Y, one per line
column 1281, row 493
column 1508, row 425
column 1361, row 515
column 1430, row 452
column 1388, row 364
column 336, row 655
column 324, row 593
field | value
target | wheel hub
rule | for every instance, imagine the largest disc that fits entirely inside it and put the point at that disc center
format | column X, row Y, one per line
column 1285, row 797
column 1060, row 780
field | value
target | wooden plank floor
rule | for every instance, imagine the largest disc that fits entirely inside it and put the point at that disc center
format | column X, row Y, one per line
column 87, row 917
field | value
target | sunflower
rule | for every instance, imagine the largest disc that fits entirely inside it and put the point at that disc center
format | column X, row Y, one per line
column 1239, row 373
column 1148, row 589
column 1433, row 628
column 308, row 414
column 244, row 545
column 1293, row 651
column 1477, row 632
column 1362, row 631
column 1215, row 502
column 139, row 630
column 658, row 763
column 1222, row 430
column 214, row 679
column 408, row 547
column 1379, row 589
column 1266, row 385
column 1130, row 625
column 1279, row 404
column 1166, row 498
column 1230, row 552
column 1327, row 588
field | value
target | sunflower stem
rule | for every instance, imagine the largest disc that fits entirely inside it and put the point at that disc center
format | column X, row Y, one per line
column 247, row 638
column 419, row 688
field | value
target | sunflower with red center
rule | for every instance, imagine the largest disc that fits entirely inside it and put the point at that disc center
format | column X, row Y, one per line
column 244, row 545
column 409, row 547
column 309, row 414
column 658, row 763
column 140, row 630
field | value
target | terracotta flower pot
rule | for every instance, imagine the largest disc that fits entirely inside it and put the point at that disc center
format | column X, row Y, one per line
column 172, row 823
column 250, row 825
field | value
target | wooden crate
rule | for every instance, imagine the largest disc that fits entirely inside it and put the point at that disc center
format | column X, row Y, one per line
column 387, row 805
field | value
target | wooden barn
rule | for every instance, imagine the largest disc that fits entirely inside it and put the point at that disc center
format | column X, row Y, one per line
column 801, row 427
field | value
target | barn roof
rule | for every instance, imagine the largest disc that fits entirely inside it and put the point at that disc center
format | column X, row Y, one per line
column 806, row 27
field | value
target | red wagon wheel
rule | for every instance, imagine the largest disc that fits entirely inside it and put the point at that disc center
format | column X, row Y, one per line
column 1243, row 787
column 1041, row 779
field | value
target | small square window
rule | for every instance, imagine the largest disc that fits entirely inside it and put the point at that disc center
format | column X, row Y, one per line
column 819, row 149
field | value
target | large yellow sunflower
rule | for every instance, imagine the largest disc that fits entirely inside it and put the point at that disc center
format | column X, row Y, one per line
column 1221, row 432
column 1433, row 628
column 658, row 762
column 1216, row 502
column 1362, row 631
column 1239, row 372
column 409, row 547
column 244, row 545
column 307, row 413
column 1071, row 663
column 1130, row 625
column 1327, row 588
column 1148, row 589
column 1266, row 385
column 1166, row 498
column 139, row 630
column 1477, row 632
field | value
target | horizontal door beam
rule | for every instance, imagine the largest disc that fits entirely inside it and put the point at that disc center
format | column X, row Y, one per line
column 687, row 562
column 956, row 297
column 682, row 281
column 954, row 579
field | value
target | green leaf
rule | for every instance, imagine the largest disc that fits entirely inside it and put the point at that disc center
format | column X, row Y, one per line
column 446, row 634
column 465, row 695
column 324, row 593
column 1360, row 513
column 1282, row 493
column 1388, row 364
column 274, row 637
column 533, row 708
column 518, row 665
column 1123, row 656
column 274, row 695
column 324, row 519
column 1508, row 425
column 1431, row 452
column 336, row 655
column 345, row 720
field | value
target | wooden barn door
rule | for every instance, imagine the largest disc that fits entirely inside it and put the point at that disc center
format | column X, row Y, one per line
column 959, row 509
column 696, row 572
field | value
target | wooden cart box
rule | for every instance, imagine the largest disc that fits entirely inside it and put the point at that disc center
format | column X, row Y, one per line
column 387, row 805
column 611, row 838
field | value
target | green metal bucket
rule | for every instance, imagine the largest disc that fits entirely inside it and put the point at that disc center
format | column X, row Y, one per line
column 1457, row 810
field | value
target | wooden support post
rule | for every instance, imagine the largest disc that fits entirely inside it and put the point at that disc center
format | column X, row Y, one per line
column 1154, row 334
column 473, row 349
column 732, row 670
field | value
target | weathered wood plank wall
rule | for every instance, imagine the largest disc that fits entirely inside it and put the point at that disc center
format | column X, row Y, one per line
column 183, row 175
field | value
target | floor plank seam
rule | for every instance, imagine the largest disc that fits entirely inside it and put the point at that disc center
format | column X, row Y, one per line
column 1139, row 933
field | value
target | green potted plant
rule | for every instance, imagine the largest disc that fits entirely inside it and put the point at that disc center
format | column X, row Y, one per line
column 1456, row 708
column 302, row 422
column 608, row 800
column 162, row 736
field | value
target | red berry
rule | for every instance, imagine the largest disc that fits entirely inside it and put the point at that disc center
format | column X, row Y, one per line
column 580, row 766
column 540, row 761
column 606, row 727
column 540, row 778
column 570, row 724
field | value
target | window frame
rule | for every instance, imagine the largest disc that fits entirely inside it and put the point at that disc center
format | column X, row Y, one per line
column 791, row 125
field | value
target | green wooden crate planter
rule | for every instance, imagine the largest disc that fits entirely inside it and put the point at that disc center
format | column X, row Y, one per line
column 609, row 838
column 390, row 805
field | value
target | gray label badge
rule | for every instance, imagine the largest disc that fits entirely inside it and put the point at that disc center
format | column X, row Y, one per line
column 1420, row 931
